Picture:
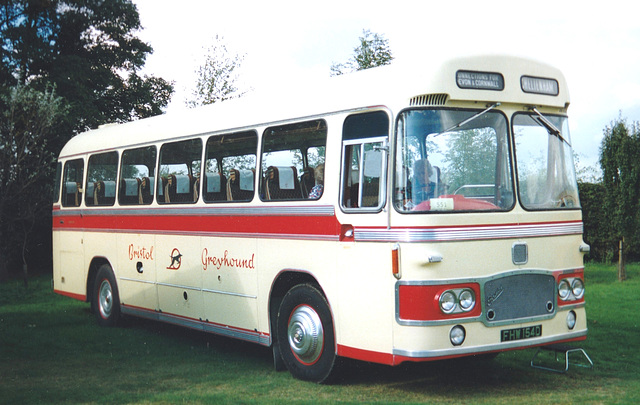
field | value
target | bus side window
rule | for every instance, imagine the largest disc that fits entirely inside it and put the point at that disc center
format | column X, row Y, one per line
column 179, row 172
column 72, row 183
column 364, row 143
column 136, row 176
column 229, row 167
column 101, row 179
column 290, row 155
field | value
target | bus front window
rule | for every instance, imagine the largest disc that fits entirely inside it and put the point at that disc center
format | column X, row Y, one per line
column 546, row 174
column 452, row 160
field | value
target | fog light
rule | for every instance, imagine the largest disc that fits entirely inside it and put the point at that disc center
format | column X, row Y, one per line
column 447, row 302
column 571, row 320
column 457, row 335
column 563, row 289
column 577, row 288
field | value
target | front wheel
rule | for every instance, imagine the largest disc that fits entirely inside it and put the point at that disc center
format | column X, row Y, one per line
column 305, row 334
column 106, row 301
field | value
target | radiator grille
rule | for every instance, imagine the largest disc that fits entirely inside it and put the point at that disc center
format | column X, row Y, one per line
column 429, row 99
column 519, row 297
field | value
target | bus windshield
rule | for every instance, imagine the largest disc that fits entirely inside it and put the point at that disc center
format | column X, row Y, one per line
column 452, row 160
column 546, row 175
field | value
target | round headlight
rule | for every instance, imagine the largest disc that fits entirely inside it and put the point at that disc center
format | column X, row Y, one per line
column 467, row 300
column 457, row 335
column 448, row 302
column 571, row 320
column 577, row 288
column 563, row 289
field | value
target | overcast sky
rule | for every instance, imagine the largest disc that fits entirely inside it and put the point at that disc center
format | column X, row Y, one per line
column 596, row 46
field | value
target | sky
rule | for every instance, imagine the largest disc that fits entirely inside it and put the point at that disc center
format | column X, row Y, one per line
column 597, row 45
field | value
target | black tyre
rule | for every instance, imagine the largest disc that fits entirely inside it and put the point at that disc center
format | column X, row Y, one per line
column 106, row 301
column 305, row 334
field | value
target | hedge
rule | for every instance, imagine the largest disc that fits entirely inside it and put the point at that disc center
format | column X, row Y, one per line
column 597, row 232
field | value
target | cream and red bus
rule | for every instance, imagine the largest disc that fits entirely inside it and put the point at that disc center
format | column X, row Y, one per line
column 403, row 213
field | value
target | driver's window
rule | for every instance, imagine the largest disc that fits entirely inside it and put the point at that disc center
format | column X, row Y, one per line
column 364, row 161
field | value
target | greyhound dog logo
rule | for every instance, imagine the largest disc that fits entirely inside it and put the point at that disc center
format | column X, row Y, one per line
column 176, row 259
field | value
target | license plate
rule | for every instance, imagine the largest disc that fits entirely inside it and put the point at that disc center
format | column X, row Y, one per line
column 509, row 335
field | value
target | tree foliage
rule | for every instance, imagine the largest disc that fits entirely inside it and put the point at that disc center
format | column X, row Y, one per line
column 27, row 118
column 597, row 232
column 217, row 76
column 374, row 50
column 619, row 154
column 88, row 50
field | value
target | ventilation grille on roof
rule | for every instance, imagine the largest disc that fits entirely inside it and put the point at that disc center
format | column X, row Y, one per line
column 429, row 99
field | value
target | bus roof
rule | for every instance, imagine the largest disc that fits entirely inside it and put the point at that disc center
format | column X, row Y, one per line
column 487, row 78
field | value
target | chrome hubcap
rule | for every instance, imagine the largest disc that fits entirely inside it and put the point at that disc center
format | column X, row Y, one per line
column 305, row 334
column 106, row 299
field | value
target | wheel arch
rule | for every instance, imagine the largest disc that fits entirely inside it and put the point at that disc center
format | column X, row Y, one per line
column 95, row 264
column 286, row 280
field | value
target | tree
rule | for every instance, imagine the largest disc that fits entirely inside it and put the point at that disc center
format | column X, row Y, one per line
column 89, row 51
column 373, row 51
column 586, row 174
column 217, row 76
column 27, row 117
column 621, row 179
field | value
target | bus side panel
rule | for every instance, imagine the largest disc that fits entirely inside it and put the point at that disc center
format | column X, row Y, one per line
column 365, row 285
column 137, row 260
column 179, row 275
column 103, row 245
column 229, row 281
column 69, row 273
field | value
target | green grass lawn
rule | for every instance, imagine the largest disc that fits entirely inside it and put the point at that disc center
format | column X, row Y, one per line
column 52, row 351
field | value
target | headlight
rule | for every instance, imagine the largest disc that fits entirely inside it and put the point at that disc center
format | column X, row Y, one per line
column 563, row 289
column 447, row 302
column 467, row 300
column 577, row 288
column 457, row 301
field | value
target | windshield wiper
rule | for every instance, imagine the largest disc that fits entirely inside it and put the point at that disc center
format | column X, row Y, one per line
column 468, row 120
column 553, row 130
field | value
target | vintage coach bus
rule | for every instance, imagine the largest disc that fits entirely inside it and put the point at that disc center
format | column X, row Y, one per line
column 404, row 213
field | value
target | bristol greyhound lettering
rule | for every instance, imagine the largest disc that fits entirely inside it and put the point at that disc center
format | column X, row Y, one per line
column 226, row 260
column 140, row 252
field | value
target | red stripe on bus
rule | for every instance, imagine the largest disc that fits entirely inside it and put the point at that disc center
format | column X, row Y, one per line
column 323, row 226
column 293, row 226
column 80, row 297
column 366, row 355
column 394, row 360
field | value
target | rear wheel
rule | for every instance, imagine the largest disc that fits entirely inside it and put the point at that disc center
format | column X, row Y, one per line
column 106, row 301
column 305, row 334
